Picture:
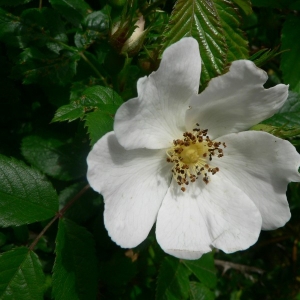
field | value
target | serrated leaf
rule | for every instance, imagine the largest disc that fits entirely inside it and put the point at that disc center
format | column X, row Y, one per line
column 20, row 31
column 97, row 24
column 25, row 194
column 203, row 269
column 36, row 66
column 199, row 19
column 73, row 10
column 289, row 114
column 75, row 267
column 199, row 292
column 69, row 112
column 96, row 97
column 34, row 27
column 84, row 208
column 235, row 37
column 54, row 157
column 97, row 21
column 173, row 280
column 290, row 63
column 98, row 124
column 21, row 275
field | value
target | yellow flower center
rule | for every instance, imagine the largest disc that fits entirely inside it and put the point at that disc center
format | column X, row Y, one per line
column 191, row 157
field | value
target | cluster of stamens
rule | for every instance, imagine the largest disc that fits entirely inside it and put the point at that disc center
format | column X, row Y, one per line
column 191, row 156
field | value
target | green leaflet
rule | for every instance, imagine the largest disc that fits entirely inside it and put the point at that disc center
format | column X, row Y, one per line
column 290, row 64
column 75, row 267
column 26, row 196
column 73, row 10
column 173, row 280
column 199, row 292
column 54, row 157
column 37, row 66
column 21, row 275
column 203, row 269
column 289, row 114
column 215, row 25
column 33, row 28
column 98, row 124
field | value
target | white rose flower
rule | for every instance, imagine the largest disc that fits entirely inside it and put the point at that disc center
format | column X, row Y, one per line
column 184, row 160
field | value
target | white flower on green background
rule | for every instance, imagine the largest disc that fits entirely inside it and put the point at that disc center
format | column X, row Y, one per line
column 185, row 160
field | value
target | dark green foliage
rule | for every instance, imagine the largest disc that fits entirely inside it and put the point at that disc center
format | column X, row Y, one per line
column 61, row 60
column 53, row 156
column 203, row 269
column 288, row 115
column 75, row 267
column 23, row 189
column 173, row 280
column 290, row 64
column 21, row 275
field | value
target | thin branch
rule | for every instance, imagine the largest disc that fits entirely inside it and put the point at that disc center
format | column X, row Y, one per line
column 242, row 268
column 57, row 216
column 93, row 67
column 40, row 4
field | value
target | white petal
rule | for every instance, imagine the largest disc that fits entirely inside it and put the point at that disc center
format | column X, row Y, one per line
column 157, row 116
column 235, row 101
column 133, row 184
column 214, row 215
column 261, row 165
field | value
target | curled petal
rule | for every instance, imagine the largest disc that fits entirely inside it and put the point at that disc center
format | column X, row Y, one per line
column 156, row 117
column 261, row 165
column 235, row 101
column 214, row 215
column 133, row 184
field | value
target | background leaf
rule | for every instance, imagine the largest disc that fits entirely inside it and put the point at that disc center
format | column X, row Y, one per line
column 173, row 280
column 235, row 38
column 85, row 207
column 44, row 66
column 25, row 194
column 54, row 156
column 203, row 269
column 98, row 123
column 289, row 114
column 73, row 10
column 200, row 292
column 96, row 97
column 290, row 63
column 75, row 267
column 21, row 275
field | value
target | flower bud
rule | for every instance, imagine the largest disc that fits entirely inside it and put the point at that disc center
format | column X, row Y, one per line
column 124, row 44
column 133, row 45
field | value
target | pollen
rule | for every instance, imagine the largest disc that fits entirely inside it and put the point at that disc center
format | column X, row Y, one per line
column 192, row 155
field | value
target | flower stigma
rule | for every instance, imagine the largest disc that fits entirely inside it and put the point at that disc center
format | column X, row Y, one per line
column 191, row 156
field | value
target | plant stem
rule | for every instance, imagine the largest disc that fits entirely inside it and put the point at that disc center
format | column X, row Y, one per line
column 93, row 67
column 58, row 215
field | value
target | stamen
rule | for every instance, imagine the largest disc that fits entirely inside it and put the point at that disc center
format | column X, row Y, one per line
column 191, row 157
